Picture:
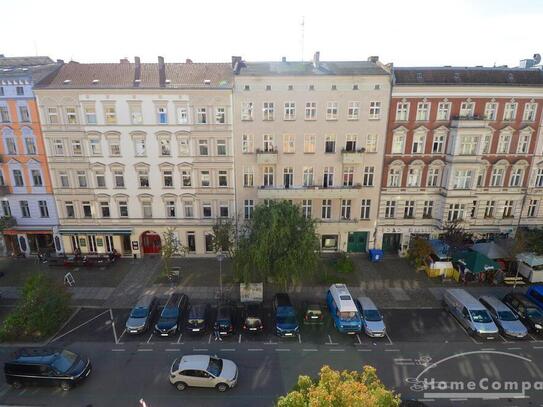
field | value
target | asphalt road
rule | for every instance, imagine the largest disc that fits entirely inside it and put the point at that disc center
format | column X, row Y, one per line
column 421, row 345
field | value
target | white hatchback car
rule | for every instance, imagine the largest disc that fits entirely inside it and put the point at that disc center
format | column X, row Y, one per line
column 203, row 371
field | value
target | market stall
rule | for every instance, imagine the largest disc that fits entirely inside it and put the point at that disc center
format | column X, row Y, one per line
column 472, row 266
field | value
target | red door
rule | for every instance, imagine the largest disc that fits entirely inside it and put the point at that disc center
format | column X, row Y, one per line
column 150, row 242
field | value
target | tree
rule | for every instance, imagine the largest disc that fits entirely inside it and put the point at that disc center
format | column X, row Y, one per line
column 7, row 222
column 278, row 242
column 455, row 236
column 224, row 236
column 171, row 246
column 419, row 251
column 340, row 389
column 533, row 239
column 42, row 308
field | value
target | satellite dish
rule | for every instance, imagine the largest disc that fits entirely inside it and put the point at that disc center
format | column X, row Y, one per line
column 537, row 58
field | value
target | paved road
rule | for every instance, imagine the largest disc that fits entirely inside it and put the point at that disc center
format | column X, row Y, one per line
column 128, row 368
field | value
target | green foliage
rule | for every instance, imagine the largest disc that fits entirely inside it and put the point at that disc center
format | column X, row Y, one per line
column 278, row 243
column 456, row 236
column 344, row 264
column 419, row 250
column 43, row 307
column 224, row 236
column 340, row 389
column 171, row 246
column 7, row 222
column 531, row 240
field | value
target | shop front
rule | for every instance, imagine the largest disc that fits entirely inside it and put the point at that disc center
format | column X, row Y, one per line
column 97, row 241
column 31, row 241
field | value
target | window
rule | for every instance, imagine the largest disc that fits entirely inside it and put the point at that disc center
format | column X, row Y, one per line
column 503, row 143
column 413, row 177
column 5, row 208
column 114, row 148
column 165, row 147
column 205, row 179
column 288, row 177
column 331, row 111
column 530, row 109
column 162, row 115
column 20, row 91
column 268, row 176
column 310, row 143
column 508, row 209
column 221, row 147
column 201, row 115
column 418, row 143
column 203, row 147
column 247, row 143
column 467, row 109
column 489, row 209
column 306, row 207
column 375, row 110
column 136, row 116
column 486, row 143
column 220, row 115
column 44, row 210
column 268, row 111
column 308, row 177
column 25, row 210
column 77, row 148
column 438, row 143
column 350, row 142
column 167, row 178
column 423, row 111
column 353, row 110
column 311, row 111
column 110, row 115
column 189, row 209
column 69, row 207
column 328, row 179
column 468, row 145
column 2, row 180
column 246, row 87
column 433, row 177
column 170, row 209
column 4, row 114
column 140, row 147
column 290, row 111
column 326, row 209
column 390, row 209
column 90, row 114
column 95, row 147
column 516, row 177
column 355, row 86
column 402, row 111
column 371, row 143
column 523, row 143
column 311, row 87
column 268, row 87
column 398, row 141
column 345, row 209
column 118, row 178
column 147, row 209
column 443, row 111
column 473, row 213
column 348, row 176
column 394, row 177
column 143, row 178
column 52, row 115
column 206, row 210
column 497, row 177
column 510, row 111
column 182, row 115
column 100, row 179
column 123, row 209
column 24, row 115
column 18, row 178
column 456, row 212
column 71, row 115
column 82, row 179
column 462, row 179
column 409, row 210
column 87, row 209
column 12, row 146
column 246, row 110
column 248, row 177
column 481, row 176
column 248, row 208
column 224, row 209
column 427, row 209
column 532, row 208
column 491, row 111
column 186, row 178
column 223, row 178
column 268, row 143
column 367, row 180
column 365, row 208
column 64, row 180
column 36, row 178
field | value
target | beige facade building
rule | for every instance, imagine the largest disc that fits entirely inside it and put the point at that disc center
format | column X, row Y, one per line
column 137, row 148
column 313, row 133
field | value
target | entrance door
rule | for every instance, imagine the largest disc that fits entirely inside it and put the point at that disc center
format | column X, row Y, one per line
column 391, row 242
column 75, row 243
column 92, row 243
column 357, row 242
column 150, row 243
column 109, row 243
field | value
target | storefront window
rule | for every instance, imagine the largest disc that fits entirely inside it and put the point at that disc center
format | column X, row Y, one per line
column 329, row 242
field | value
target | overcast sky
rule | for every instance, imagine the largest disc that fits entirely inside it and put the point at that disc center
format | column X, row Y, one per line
column 408, row 32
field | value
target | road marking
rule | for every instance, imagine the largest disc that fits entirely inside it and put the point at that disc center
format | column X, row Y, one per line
column 392, row 350
column 117, row 350
column 537, row 347
column 495, row 349
column 150, row 337
column 282, row 350
column 364, row 350
column 79, row 326
column 467, row 333
column 114, row 332
column 389, row 340
column 199, row 349
column 255, row 350
column 179, row 339
column 145, row 350
column 122, row 334
column 359, row 340
column 423, row 400
column 458, row 399
column 228, row 350
column 310, row 350
column 209, row 340
column 330, row 341
column 336, row 350
column 299, row 339
column 270, row 343
column 504, row 338
column 513, row 349
column 111, row 313
column 173, row 350
column 239, row 340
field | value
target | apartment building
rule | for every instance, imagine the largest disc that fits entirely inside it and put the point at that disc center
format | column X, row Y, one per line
column 313, row 133
column 137, row 148
column 25, row 186
column 461, row 144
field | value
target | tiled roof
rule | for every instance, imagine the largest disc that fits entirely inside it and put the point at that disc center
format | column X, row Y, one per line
column 298, row 68
column 16, row 62
column 121, row 76
column 468, row 76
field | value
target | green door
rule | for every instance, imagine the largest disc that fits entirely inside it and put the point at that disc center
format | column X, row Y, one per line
column 357, row 243
column 391, row 242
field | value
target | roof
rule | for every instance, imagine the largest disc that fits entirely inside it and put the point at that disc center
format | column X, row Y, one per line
column 490, row 249
column 468, row 299
column 17, row 62
column 299, row 68
column 467, row 76
column 474, row 261
column 122, row 75
column 530, row 259
column 440, row 248
column 36, row 68
column 197, row 362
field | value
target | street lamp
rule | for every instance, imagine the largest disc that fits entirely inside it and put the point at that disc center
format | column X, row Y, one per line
column 220, row 258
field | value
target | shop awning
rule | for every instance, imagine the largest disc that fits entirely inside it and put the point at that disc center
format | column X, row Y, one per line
column 27, row 230
column 95, row 231
column 491, row 250
column 474, row 261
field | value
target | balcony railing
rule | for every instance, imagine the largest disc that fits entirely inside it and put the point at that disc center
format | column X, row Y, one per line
column 266, row 156
column 306, row 192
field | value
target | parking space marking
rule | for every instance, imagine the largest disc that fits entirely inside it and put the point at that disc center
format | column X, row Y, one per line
column 179, row 339
column 79, row 326
column 172, row 350
column 255, row 349
column 239, row 340
column 389, row 340
column 113, row 326
column 209, row 339
column 514, row 348
column 330, row 341
column 228, row 350
column 359, row 340
column 310, row 350
column 392, row 350
column 199, row 349
column 336, row 350
column 364, row 350
column 537, row 347
column 299, row 339
column 120, row 337
column 145, row 350
column 504, row 339
column 150, row 337
column 117, row 350
column 282, row 350
column 486, row 349
column 270, row 343
column 467, row 333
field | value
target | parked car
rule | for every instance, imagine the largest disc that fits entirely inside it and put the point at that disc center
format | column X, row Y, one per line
column 313, row 314
column 172, row 315
column 372, row 320
column 343, row 310
column 535, row 294
column 46, row 367
column 527, row 311
column 203, row 371
column 286, row 323
column 253, row 317
column 142, row 314
column 198, row 318
column 506, row 320
column 224, row 322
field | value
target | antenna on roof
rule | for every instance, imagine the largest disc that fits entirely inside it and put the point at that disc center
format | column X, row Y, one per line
column 303, row 32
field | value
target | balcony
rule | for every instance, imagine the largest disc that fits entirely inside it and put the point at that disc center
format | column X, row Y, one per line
column 308, row 192
column 266, row 157
column 352, row 156
column 469, row 122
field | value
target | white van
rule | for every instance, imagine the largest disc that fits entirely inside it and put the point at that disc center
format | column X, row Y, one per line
column 471, row 314
column 530, row 267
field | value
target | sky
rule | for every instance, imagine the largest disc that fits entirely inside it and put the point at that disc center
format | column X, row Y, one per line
column 407, row 33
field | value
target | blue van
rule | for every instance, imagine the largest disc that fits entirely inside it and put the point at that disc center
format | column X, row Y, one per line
column 535, row 294
column 343, row 309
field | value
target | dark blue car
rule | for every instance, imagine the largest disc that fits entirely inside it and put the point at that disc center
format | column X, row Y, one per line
column 535, row 294
column 286, row 322
column 172, row 315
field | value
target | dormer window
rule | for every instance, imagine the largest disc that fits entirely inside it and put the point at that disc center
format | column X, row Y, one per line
column 355, row 87
column 246, row 87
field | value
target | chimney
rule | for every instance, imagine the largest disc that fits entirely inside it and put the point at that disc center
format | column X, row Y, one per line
column 124, row 61
column 188, row 61
column 373, row 59
column 283, row 59
column 237, row 64
column 235, row 60
column 161, row 72
column 137, row 71
column 316, row 60
column 60, row 61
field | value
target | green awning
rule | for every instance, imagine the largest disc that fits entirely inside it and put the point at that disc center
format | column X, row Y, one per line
column 95, row 231
column 474, row 261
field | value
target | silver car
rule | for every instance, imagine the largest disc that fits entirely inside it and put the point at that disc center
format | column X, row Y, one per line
column 505, row 319
column 372, row 320
column 141, row 315
column 203, row 371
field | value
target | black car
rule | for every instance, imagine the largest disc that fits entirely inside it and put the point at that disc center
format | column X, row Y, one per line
column 313, row 314
column 224, row 323
column 46, row 367
column 527, row 311
column 198, row 318
column 172, row 315
column 253, row 317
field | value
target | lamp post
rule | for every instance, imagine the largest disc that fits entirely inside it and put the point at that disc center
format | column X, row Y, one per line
column 220, row 258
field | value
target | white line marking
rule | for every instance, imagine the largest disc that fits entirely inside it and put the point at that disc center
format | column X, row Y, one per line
column 359, row 340
column 494, row 348
column 392, row 350
column 537, row 347
column 459, row 399
column 199, row 349
column 228, row 350
column 145, row 350
column 79, row 326
column 364, row 350
column 513, row 349
column 282, row 350
column 114, row 332
column 270, row 343
column 179, row 339
column 423, row 400
column 173, row 350
column 209, row 340
column 239, row 340
column 255, row 350
column 117, row 350
column 111, row 313
column 299, row 339
column 310, row 350
column 150, row 337
column 122, row 334
column 467, row 333
column 336, row 350
column 388, row 337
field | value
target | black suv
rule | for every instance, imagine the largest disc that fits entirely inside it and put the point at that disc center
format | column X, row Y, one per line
column 198, row 319
column 252, row 317
column 527, row 311
column 46, row 367
column 224, row 323
column 172, row 315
